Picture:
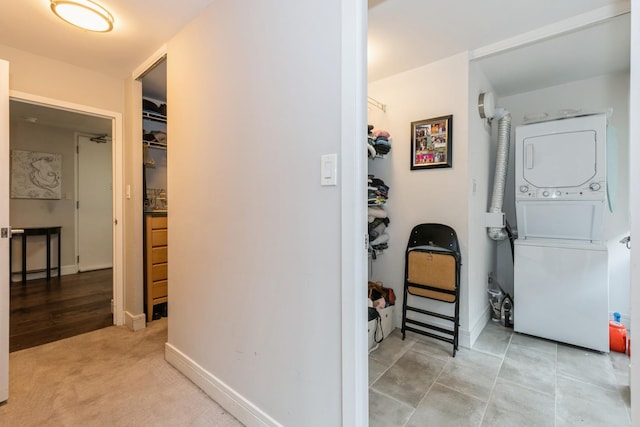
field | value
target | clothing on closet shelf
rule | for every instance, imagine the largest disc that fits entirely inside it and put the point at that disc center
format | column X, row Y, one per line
column 382, row 239
column 154, row 120
column 374, row 212
column 154, row 136
column 378, row 142
column 148, row 105
column 377, row 227
column 377, row 191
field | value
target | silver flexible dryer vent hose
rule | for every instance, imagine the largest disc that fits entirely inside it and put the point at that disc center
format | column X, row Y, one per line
column 500, row 177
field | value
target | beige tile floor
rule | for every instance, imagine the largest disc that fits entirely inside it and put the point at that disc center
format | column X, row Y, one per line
column 507, row 379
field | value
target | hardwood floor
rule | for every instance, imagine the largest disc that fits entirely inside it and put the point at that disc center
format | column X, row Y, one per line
column 42, row 312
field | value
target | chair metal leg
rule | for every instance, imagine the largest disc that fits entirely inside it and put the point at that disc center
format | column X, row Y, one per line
column 404, row 313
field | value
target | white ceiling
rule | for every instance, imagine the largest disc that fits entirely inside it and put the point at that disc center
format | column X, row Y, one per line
column 593, row 51
column 403, row 34
column 46, row 116
column 140, row 29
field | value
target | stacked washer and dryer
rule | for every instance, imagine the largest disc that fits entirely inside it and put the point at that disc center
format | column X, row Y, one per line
column 561, row 284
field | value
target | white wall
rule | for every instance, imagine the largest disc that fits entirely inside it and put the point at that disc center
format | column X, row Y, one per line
column 254, row 241
column 599, row 93
column 482, row 250
column 421, row 196
column 133, row 207
column 37, row 75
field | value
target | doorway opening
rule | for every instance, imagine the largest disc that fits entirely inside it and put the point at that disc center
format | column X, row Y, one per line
column 155, row 190
column 62, row 297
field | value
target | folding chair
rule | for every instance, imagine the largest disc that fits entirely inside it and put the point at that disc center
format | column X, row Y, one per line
column 432, row 270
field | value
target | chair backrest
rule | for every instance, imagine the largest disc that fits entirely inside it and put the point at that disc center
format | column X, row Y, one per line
column 434, row 235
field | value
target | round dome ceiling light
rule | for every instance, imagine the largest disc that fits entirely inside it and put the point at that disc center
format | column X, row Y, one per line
column 83, row 14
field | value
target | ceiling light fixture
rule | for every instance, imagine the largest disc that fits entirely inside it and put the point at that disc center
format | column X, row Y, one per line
column 83, row 14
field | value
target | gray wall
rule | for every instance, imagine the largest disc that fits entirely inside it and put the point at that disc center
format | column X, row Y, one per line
column 254, row 241
column 39, row 213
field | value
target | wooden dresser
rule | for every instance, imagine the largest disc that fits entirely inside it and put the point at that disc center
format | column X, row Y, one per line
column 156, row 278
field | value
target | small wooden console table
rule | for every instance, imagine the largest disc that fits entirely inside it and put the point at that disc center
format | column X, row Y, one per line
column 36, row 231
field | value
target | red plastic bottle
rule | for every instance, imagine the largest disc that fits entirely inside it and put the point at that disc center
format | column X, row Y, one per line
column 617, row 334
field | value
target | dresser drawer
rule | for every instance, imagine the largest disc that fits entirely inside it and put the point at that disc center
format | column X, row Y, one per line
column 159, row 255
column 159, row 272
column 158, row 222
column 159, row 289
column 156, row 263
column 159, row 238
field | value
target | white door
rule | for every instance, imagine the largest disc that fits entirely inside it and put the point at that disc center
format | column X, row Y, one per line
column 94, row 205
column 4, row 227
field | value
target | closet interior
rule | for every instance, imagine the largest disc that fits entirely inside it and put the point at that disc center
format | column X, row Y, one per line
column 381, row 299
column 155, row 195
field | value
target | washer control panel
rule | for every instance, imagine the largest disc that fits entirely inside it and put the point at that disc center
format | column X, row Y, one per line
column 594, row 190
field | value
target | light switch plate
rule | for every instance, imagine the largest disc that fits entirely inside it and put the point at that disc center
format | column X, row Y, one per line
column 328, row 169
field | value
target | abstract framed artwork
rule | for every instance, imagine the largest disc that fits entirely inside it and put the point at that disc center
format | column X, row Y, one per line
column 36, row 175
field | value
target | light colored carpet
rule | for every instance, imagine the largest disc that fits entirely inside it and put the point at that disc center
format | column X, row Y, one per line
column 109, row 377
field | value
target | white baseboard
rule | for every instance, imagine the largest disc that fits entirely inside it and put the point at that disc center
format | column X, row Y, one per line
column 135, row 322
column 97, row 267
column 68, row 269
column 464, row 338
column 65, row 271
column 234, row 403
column 478, row 326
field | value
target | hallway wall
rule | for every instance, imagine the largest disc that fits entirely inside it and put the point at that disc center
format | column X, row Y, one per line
column 46, row 77
column 254, row 240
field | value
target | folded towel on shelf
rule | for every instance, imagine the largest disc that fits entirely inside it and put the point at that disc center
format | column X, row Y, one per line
column 380, row 132
column 371, row 151
column 377, row 212
column 383, row 238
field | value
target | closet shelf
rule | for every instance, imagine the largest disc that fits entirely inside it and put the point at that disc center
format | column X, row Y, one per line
column 155, row 144
column 374, row 102
column 156, row 117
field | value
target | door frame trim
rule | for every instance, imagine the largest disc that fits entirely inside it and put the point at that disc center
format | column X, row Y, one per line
column 354, row 385
column 118, row 179
column 4, row 222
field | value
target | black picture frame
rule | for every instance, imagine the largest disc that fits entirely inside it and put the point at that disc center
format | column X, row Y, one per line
column 431, row 143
